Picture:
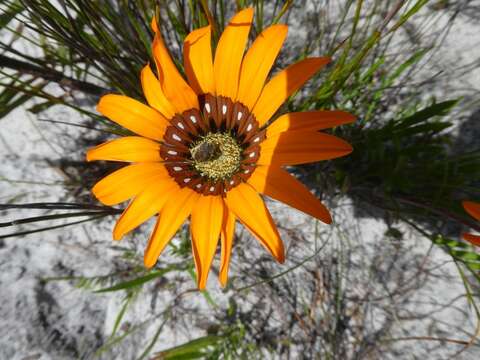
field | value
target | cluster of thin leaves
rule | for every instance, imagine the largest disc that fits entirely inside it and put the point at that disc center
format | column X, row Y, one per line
column 403, row 163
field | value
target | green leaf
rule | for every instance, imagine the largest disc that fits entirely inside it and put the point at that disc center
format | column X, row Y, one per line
column 438, row 109
column 121, row 314
column 138, row 281
column 8, row 15
column 461, row 252
column 194, row 349
column 38, row 108
column 405, row 65
column 10, row 98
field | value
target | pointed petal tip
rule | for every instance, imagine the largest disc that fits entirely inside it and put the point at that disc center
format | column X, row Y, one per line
column 96, row 191
column 90, row 155
column 280, row 29
column 280, row 257
column 148, row 261
column 153, row 24
column 323, row 59
column 117, row 235
column 279, row 253
column 349, row 117
column 468, row 203
column 119, row 229
column 201, row 285
column 472, row 239
column 247, row 11
column 198, row 33
column 472, row 208
column 328, row 220
column 349, row 149
column 103, row 102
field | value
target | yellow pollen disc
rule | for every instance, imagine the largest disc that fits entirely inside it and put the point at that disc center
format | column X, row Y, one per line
column 217, row 156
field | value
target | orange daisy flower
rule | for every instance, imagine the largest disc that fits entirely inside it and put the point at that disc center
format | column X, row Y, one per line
column 205, row 148
column 473, row 209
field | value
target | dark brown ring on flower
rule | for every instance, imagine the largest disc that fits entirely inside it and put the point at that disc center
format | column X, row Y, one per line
column 212, row 150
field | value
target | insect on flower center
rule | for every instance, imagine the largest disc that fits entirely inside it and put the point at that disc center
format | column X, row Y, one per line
column 213, row 148
column 217, row 156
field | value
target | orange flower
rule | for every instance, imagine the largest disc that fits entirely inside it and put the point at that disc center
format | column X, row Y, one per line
column 473, row 209
column 204, row 147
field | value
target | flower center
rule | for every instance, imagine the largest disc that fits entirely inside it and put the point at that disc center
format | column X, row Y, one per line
column 214, row 148
column 217, row 156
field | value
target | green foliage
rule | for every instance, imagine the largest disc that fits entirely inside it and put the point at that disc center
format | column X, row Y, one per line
column 139, row 281
column 195, row 349
column 11, row 10
column 228, row 342
column 461, row 252
column 10, row 99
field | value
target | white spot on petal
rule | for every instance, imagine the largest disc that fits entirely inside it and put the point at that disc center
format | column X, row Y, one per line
column 198, row 186
column 257, row 139
column 224, row 109
column 207, row 107
column 176, row 137
column 171, row 152
column 249, row 127
column 232, row 182
column 193, row 119
column 180, row 125
column 252, row 154
column 186, row 180
column 177, row 168
column 246, row 171
column 212, row 188
column 239, row 116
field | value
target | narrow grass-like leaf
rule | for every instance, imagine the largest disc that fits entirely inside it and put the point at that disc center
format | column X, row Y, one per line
column 194, row 349
column 462, row 252
column 23, row 233
column 438, row 109
column 138, row 281
column 14, row 8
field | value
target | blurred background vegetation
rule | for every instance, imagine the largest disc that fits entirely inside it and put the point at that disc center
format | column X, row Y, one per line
column 409, row 168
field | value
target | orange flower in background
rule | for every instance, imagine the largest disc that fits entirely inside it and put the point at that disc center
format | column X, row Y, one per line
column 473, row 209
column 205, row 149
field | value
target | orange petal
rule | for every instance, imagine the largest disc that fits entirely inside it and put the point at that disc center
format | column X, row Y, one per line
column 472, row 208
column 177, row 208
column 205, row 225
column 229, row 53
column 300, row 147
column 284, row 84
column 154, row 94
column 127, row 149
column 227, row 234
column 280, row 185
column 127, row 182
column 174, row 86
column 153, row 24
column 250, row 209
column 309, row 121
column 257, row 63
column 146, row 204
column 473, row 239
column 133, row 115
column 197, row 57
